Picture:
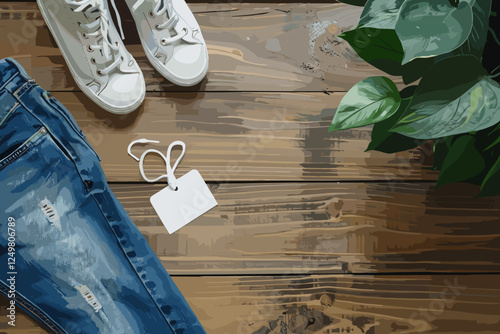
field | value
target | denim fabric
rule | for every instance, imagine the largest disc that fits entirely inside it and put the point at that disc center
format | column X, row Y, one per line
column 81, row 264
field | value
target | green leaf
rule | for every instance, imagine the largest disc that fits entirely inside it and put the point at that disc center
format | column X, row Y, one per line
column 477, row 39
column 390, row 142
column 380, row 14
column 455, row 97
column 431, row 28
column 441, row 149
column 382, row 49
column 354, row 2
column 415, row 69
column 462, row 162
column 491, row 183
column 379, row 47
column 369, row 101
column 474, row 44
column 495, row 143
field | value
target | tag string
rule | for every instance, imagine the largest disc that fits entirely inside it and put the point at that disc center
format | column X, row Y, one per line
column 171, row 179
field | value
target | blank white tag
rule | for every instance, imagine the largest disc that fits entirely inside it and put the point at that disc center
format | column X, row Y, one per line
column 177, row 208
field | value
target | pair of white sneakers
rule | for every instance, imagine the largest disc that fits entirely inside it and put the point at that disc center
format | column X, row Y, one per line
column 101, row 65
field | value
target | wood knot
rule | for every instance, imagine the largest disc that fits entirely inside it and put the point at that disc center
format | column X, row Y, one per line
column 325, row 301
column 334, row 208
column 333, row 28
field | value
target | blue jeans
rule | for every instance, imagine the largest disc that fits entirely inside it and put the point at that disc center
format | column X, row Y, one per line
column 70, row 254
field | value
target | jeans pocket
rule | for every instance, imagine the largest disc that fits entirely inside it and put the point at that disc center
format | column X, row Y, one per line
column 33, row 142
column 19, row 151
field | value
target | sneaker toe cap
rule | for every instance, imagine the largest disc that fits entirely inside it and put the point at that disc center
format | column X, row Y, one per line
column 189, row 63
column 124, row 92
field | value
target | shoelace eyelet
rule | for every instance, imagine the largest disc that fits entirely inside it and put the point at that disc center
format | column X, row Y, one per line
column 151, row 13
column 102, row 42
column 157, row 27
column 163, row 40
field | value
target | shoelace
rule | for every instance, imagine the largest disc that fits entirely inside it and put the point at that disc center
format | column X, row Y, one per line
column 172, row 180
column 98, row 28
column 160, row 9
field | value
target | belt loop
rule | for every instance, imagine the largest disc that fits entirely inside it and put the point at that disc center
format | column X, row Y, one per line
column 24, row 88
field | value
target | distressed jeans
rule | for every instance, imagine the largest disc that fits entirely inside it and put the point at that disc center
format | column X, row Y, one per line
column 69, row 254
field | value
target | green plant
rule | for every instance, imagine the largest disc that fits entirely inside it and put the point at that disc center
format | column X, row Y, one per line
column 456, row 103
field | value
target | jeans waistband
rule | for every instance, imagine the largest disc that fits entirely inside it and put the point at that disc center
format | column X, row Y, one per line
column 13, row 77
column 15, row 80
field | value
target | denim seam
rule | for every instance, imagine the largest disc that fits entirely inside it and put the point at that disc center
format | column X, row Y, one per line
column 62, row 113
column 3, row 88
column 8, row 81
column 60, row 145
column 30, row 308
column 14, row 107
column 29, row 143
column 131, row 264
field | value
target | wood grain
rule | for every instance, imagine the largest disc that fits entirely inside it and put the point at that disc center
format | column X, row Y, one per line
column 243, row 137
column 277, row 228
column 252, row 47
column 306, row 304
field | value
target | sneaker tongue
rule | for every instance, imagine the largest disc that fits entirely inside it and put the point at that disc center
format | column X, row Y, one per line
column 164, row 6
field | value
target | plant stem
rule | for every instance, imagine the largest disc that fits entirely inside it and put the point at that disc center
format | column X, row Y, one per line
column 494, row 35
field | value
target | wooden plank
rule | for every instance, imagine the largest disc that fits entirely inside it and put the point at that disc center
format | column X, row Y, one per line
column 342, row 304
column 278, row 228
column 243, row 137
column 252, row 47
column 345, row 304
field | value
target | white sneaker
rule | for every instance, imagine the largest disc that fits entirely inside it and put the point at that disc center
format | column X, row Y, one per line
column 172, row 39
column 101, row 66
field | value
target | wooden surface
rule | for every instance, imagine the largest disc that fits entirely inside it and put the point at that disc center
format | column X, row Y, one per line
column 272, row 228
column 252, row 47
column 243, row 137
column 308, row 226
column 338, row 304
